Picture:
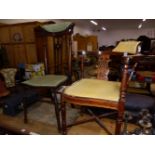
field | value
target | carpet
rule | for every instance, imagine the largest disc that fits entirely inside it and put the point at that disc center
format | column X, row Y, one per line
column 43, row 111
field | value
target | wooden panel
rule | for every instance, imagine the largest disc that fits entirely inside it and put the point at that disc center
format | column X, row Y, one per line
column 4, row 35
column 65, row 50
column 82, row 43
column 28, row 32
column 50, row 54
column 93, row 41
column 16, row 34
column 20, row 55
column 20, row 42
column 31, row 53
column 41, row 50
column 10, row 55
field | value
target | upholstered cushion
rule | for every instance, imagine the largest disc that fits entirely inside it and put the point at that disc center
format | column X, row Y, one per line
column 138, row 102
column 9, row 76
column 34, row 70
column 127, row 46
column 94, row 88
column 46, row 81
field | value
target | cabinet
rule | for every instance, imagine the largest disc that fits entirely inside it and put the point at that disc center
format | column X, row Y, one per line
column 19, row 42
column 87, row 43
column 54, row 46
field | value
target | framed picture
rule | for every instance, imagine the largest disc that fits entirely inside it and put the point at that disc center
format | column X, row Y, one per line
column 17, row 37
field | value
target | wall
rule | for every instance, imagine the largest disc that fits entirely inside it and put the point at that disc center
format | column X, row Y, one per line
column 84, row 32
column 111, row 37
column 108, row 37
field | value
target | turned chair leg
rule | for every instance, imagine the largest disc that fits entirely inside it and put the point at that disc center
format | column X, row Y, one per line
column 63, row 117
column 119, row 123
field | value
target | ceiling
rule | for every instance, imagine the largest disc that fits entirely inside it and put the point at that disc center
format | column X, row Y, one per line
column 112, row 24
column 109, row 24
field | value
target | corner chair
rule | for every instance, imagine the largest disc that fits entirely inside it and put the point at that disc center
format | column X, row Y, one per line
column 105, row 94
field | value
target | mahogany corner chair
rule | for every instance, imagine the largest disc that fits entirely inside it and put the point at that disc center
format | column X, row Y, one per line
column 100, row 92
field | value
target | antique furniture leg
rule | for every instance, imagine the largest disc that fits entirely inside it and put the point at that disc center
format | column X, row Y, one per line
column 25, row 111
column 119, row 122
column 56, row 105
column 63, row 116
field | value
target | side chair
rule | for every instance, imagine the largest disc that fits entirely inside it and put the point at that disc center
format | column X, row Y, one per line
column 102, row 93
column 98, row 93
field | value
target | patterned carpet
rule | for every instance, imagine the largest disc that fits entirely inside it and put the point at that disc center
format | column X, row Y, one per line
column 43, row 111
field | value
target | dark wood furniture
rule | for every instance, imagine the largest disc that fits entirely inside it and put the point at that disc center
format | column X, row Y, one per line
column 87, row 43
column 106, row 94
column 97, row 93
column 19, row 42
column 54, row 46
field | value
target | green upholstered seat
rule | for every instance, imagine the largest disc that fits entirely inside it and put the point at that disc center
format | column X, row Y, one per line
column 46, row 81
column 59, row 27
column 95, row 88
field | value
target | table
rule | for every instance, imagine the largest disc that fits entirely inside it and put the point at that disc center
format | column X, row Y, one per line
column 53, row 82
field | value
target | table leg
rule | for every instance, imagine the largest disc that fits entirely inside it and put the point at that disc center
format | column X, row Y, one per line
column 25, row 111
column 56, row 104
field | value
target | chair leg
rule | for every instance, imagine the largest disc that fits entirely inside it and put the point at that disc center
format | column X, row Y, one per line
column 119, row 123
column 63, row 116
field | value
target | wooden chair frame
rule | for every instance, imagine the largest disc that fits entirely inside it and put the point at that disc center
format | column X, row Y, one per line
column 82, row 101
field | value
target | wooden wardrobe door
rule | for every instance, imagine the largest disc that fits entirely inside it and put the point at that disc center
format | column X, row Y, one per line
column 31, row 53
column 20, row 55
column 10, row 55
column 4, row 35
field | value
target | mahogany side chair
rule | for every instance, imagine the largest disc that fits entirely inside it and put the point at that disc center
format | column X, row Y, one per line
column 100, row 92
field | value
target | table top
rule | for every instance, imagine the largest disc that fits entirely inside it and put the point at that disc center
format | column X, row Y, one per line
column 50, row 80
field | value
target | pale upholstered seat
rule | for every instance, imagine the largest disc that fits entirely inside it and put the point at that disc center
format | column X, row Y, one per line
column 131, row 47
column 95, row 89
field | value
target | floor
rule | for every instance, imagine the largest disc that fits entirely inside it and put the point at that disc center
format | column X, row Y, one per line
column 33, row 126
